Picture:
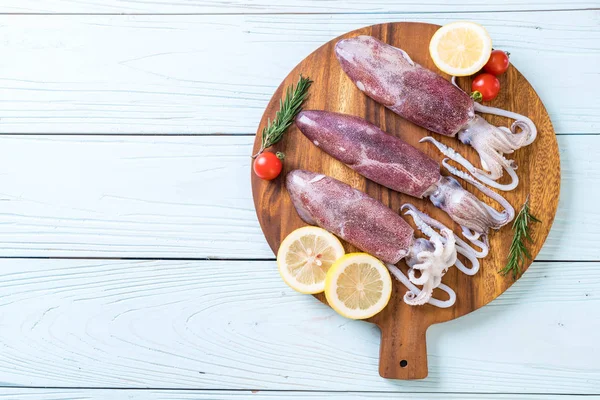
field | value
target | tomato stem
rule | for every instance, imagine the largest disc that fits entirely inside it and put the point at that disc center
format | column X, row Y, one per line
column 477, row 96
column 280, row 155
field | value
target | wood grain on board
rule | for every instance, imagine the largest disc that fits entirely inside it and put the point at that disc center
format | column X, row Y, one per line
column 403, row 346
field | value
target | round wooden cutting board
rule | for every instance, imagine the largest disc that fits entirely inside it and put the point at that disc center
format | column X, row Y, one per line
column 403, row 352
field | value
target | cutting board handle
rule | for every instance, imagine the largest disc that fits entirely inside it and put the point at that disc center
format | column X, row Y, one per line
column 403, row 352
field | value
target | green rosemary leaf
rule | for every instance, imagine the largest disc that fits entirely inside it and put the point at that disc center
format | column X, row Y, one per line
column 518, row 252
column 289, row 107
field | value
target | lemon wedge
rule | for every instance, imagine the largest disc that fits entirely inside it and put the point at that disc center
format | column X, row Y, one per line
column 305, row 256
column 460, row 48
column 358, row 286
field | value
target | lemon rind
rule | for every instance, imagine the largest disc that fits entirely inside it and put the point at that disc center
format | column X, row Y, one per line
column 285, row 244
column 460, row 71
column 333, row 274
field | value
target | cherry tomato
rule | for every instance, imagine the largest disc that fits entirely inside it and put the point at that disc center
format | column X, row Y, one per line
column 497, row 64
column 486, row 84
column 267, row 166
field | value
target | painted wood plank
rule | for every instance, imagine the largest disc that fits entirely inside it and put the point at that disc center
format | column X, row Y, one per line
column 205, row 74
column 236, row 325
column 123, row 394
column 94, row 196
column 288, row 6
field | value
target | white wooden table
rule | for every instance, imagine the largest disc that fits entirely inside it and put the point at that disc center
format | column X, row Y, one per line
column 132, row 264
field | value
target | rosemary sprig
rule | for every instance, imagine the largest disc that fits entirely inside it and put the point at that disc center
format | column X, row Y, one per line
column 518, row 250
column 289, row 107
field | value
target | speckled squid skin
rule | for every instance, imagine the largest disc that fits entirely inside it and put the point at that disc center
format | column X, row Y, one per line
column 391, row 162
column 350, row 214
column 370, row 151
column 388, row 75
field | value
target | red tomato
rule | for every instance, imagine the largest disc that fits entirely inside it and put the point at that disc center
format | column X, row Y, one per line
column 486, row 84
column 497, row 64
column 267, row 166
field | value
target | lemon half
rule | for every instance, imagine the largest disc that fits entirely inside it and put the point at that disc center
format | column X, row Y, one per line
column 460, row 48
column 305, row 256
column 358, row 286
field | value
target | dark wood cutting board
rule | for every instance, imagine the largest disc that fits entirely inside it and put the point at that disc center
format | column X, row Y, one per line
column 403, row 352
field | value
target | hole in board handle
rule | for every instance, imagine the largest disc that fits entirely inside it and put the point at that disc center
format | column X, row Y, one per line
column 403, row 363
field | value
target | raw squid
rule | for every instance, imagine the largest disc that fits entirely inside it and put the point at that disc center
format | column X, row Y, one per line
column 397, row 165
column 374, row 228
column 388, row 75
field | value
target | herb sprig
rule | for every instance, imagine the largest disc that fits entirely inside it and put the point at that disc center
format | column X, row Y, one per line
column 518, row 249
column 289, row 107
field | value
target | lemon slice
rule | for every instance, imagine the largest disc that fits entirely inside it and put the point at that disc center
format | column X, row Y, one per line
column 358, row 286
column 460, row 48
column 305, row 256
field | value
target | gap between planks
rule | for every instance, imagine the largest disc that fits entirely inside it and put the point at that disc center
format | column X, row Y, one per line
column 143, row 77
column 95, row 306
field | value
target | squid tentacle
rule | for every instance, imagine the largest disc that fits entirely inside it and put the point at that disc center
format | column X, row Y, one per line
column 471, row 257
column 491, row 153
column 488, row 139
column 420, row 280
column 423, row 297
column 453, row 80
column 474, row 238
column 461, row 246
column 524, row 123
column 521, row 121
column 492, row 142
column 481, row 175
column 432, row 258
column 508, row 210
column 425, row 223
column 469, row 234
column 415, row 291
column 447, row 235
